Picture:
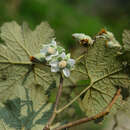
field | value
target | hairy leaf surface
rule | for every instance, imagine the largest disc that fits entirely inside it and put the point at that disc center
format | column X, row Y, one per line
column 15, row 66
column 126, row 40
column 25, row 109
column 126, row 44
column 78, row 73
column 107, row 74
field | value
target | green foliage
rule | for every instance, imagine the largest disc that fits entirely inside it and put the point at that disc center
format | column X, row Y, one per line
column 21, row 43
column 22, row 83
column 28, row 110
column 64, row 18
column 77, row 74
column 25, row 85
column 126, row 40
column 107, row 74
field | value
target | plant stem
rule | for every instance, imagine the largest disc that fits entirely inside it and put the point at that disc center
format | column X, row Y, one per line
column 56, row 104
column 67, row 105
column 99, row 115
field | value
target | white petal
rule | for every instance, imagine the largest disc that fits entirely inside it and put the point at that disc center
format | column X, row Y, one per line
column 54, row 69
column 44, row 50
column 66, row 72
column 48, row 57
column 71, row 62
column 79, row 36
column 53, row 42
column 60, row 49
column 53, row 63
column 63, row 55
column 55, row 54
column 51, row 56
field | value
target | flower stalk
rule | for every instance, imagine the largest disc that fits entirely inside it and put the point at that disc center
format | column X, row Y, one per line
column 47, row 127
column 87, row 119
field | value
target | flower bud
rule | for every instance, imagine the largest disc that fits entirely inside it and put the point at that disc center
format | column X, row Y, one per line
column 79, row 36
column 113, row 44
column 62, row 64
column 51, row 50
column 83, row 39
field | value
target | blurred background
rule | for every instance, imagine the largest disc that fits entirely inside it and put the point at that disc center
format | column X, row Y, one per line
column 70, row 16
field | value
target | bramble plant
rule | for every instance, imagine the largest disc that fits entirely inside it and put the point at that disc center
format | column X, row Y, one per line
column 32, row 61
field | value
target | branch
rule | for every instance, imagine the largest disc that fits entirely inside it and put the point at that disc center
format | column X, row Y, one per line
column 86, row 119
column 47, row 127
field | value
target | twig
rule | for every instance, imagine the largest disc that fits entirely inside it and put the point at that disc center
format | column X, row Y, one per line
column 86, row 119
column 56, row 104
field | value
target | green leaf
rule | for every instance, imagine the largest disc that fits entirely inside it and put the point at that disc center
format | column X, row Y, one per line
column 126, row 107
column 77, row 74
column 106, row 74
column 15, row 66
column 126, row 40
column 28, row 110
column 125, row 57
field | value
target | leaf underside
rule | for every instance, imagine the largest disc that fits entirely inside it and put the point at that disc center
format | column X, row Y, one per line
column 126, row 46
column 79, row 73
column 23, row 84
column 126, row 40
column 28, row 111
column 15, row 66
column 107, row 75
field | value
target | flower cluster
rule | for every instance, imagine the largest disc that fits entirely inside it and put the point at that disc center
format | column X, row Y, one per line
column 55, row 56
column 62, row 63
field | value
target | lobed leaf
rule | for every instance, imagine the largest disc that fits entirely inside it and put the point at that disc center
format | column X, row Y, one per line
column 27, row 110
column 78, row 73
column 106, row 74
column 16, row 69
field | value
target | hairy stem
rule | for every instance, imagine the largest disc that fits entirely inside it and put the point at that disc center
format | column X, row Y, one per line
column 47, row 127
column 99, row 115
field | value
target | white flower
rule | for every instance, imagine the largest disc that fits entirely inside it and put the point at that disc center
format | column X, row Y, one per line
column 82, row 37
column 49, row 50
column 63, row 63
column 55, row 56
